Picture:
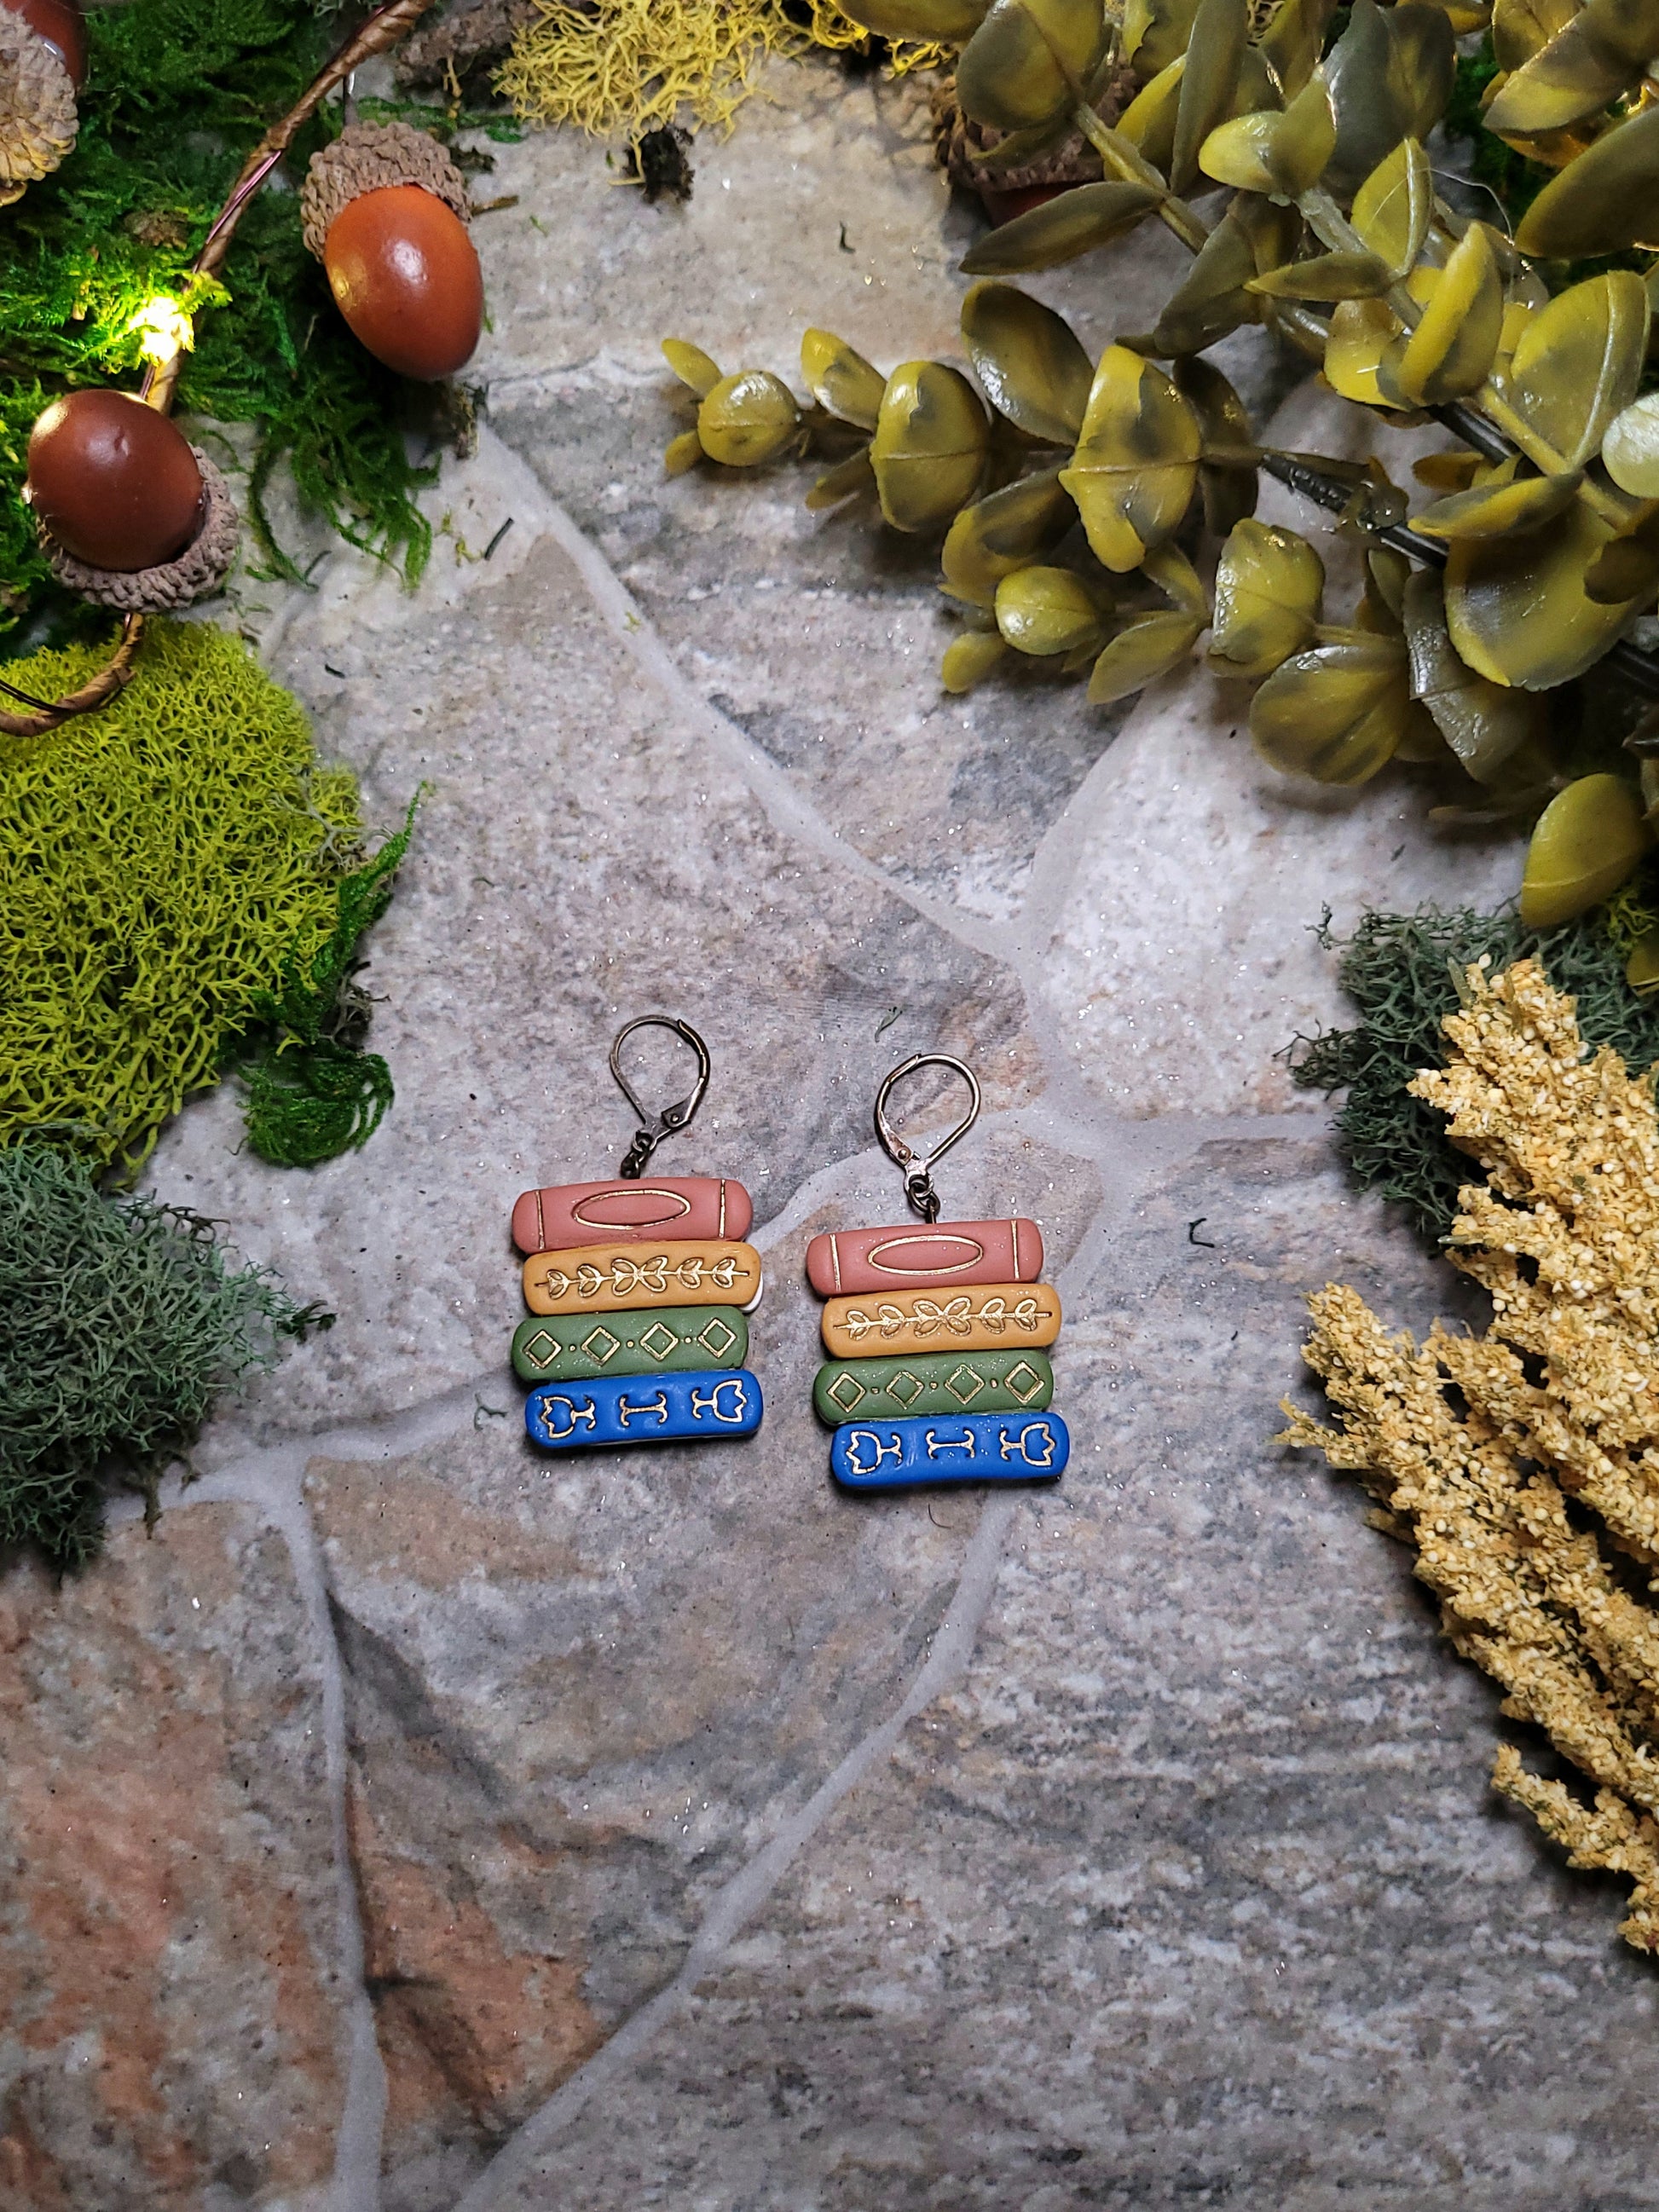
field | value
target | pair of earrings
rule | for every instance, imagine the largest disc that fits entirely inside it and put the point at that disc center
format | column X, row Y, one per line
column 640, row 1290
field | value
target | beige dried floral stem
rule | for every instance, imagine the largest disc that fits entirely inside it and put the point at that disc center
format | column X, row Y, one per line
column 1472, row 1446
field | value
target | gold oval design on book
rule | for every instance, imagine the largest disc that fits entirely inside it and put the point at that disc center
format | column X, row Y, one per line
column 876, row 1256
column 679, row 1208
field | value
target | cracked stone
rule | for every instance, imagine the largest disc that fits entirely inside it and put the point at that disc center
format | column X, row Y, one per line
column 170, row 2023
column 1192, row 1891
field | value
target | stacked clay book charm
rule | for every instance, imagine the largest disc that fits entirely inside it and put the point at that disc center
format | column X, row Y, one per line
column 639, row 1291
column 937, row 1334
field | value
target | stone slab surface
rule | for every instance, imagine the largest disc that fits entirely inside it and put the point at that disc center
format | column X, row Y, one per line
column 414, row 1824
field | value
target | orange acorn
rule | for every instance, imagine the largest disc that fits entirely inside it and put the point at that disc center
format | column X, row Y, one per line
column 385, row 209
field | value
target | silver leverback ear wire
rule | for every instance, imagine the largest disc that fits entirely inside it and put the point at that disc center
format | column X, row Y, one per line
column 918, row 1172
column 654, row 1127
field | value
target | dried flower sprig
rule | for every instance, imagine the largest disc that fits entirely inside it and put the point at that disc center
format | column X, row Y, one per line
column 1473, row 1446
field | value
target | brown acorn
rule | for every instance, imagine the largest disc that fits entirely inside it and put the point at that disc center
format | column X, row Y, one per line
column 385, row 209
column 42, row 60
column 112, row 483
column 63, row 27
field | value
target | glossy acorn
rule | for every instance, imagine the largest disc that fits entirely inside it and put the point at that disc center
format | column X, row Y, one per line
column 63, row 27
column 404, row 274
column 111, row 481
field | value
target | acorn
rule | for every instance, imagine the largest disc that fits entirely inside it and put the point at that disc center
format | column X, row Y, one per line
column 63, row 27
column 384, row 208
column 42, row 57
column 129, row 513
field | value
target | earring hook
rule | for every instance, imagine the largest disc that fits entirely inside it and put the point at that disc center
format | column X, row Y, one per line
column 654, row 1127
column 919, row 1173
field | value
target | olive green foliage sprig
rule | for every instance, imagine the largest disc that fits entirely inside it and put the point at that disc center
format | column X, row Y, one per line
column 177, row 92
column 1484, row 611
column 121, row 1321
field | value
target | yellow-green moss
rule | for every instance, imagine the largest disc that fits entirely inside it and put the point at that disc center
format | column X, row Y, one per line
column 164, row 864
column 627, row 66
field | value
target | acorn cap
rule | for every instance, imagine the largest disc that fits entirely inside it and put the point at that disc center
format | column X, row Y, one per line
column 367, row 157
column 38, row 117
column 200, row 568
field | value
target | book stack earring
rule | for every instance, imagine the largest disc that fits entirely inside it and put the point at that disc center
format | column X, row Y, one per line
column 639, row 1289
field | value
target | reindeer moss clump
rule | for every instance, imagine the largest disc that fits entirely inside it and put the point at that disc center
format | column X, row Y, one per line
column 120, row 1321
column 174, row 869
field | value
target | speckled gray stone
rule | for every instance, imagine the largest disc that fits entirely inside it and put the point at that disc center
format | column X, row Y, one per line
column 666, row 1827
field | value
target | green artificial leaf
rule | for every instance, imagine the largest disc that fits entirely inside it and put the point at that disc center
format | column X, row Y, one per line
column 853, row 475
column 691, row 365
column 1503, row 503
column 1168, row 567
column 1390, row 75
column 1028, row 361
column 1004, row 531
column 1590, row 61
column 1451, row 351
column 1028, row 59
column 748, row 419
column 1394, row 206
column 1148, row 648
column 1087, row 216
column 929, row 451
column 1227, row 472
column 1269, row 588
column 1213, row 298
column 1155, row 33
column 1521, row 28
column 1484, row 724
column 1293, row 41
column 1362, row 332
column 1517, row 608
column 970, row 658
column 1604, row 200
column 1629, row 447
column 1340, row 276
column 1578, row 361
column 1149, row 121
column 1043, row 612
column 1135, row 467
column 1337, row 711
column 841, row 381
column 1283, row 154
column 1215, row 57
column 1587, row 841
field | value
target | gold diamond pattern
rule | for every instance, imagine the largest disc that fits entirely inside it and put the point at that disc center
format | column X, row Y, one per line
column 964, row 1385
column 717, row 1337
column 846, row 1391
column 541, row 1347
column 599, row 1343
column 1025, row 1381
column 658, row 1340
column 905, row 1387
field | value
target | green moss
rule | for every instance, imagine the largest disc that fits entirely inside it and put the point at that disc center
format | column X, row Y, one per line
column 120, row 1322
column 177, row 871
column 1400, row 971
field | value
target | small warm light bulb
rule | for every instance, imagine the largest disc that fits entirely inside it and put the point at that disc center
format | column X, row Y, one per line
column 164, row 329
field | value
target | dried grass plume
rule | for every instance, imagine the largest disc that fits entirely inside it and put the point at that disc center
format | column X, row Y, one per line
column 1523, row 1465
